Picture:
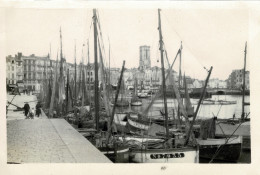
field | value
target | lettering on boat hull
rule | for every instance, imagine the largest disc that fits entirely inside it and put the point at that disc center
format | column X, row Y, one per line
column 163, row 156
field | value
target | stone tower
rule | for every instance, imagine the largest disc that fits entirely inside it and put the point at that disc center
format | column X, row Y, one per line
column 144, row 60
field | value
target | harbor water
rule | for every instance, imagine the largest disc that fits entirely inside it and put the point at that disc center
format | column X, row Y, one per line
column 205, row 112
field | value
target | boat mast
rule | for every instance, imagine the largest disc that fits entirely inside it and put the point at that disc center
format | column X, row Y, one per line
column 82, row 79
column 105, row 94
column 75, row 103
column 180, row 75
column 163, row 74
column 244, row 76
column 109, row 71
column 61, row 85
column 96, row 70
column 53, row 92
column 88, row 70
column 67, row 92
column 198, row 106
column 114, row 107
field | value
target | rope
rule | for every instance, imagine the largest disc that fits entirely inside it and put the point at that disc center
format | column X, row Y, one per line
column 171, row 27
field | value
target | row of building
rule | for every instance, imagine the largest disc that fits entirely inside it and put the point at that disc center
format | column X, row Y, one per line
column 33, row 70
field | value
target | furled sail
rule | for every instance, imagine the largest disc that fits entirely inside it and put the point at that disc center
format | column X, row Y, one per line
column 187, row 103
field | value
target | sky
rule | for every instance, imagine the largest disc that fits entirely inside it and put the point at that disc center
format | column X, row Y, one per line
column 210, row 36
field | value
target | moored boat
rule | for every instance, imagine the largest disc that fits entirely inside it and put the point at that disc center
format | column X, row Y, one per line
column 136, row 102
column 240, row 127
column 224, row 149
column 228, row 128
column 116, row 154
column 142, row 95
column 172, row 155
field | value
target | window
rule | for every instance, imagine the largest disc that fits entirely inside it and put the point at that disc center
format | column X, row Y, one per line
column 8, row 67
column 12, row 68
column 12, row 61
column 12, row 75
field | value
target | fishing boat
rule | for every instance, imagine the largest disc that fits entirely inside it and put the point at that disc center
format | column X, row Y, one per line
column 105, row 140
column 208, row 102
column 241, row 127
column 223, row 149
column 166, row 151
column 136, row 102
column 173, row 155
column 226, row 149
column 232, row 128
column 218, row 102
column 142, row 94
column 225, row 102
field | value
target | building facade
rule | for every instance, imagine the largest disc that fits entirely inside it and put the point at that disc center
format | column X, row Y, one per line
column 14, row 71
column 235, row 79
column 216, row 83
column 36, row 70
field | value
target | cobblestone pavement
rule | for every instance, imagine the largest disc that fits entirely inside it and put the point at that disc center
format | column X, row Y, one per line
column 43, row 140
column 48, row 141
column 35, row 141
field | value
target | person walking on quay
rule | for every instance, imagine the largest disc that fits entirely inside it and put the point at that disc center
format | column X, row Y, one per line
column 38, row 109
column 26, row 109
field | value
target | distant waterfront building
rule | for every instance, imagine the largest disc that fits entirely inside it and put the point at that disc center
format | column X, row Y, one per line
column 14, row 71
column 235, row 79
column 144, row 59
column 197, row 83
column 36, row 69
column 216, row 83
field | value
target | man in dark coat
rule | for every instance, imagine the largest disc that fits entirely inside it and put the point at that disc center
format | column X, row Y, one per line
column 38, row 109
column 26, row 109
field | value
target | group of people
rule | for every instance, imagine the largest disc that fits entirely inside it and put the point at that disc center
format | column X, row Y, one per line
column 29, row 113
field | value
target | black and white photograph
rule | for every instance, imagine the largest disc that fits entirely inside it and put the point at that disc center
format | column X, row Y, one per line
column 129, row 85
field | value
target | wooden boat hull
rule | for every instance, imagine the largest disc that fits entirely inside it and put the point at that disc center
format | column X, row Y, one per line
column 142, row 95
column 219, row 102
column 229, row 152
column 119, row 156
column 174, row 155
column 138, row 127
column 120, row 120
column 227, row 129
column 136, row 103
column 135, row 126
column 139, row 139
